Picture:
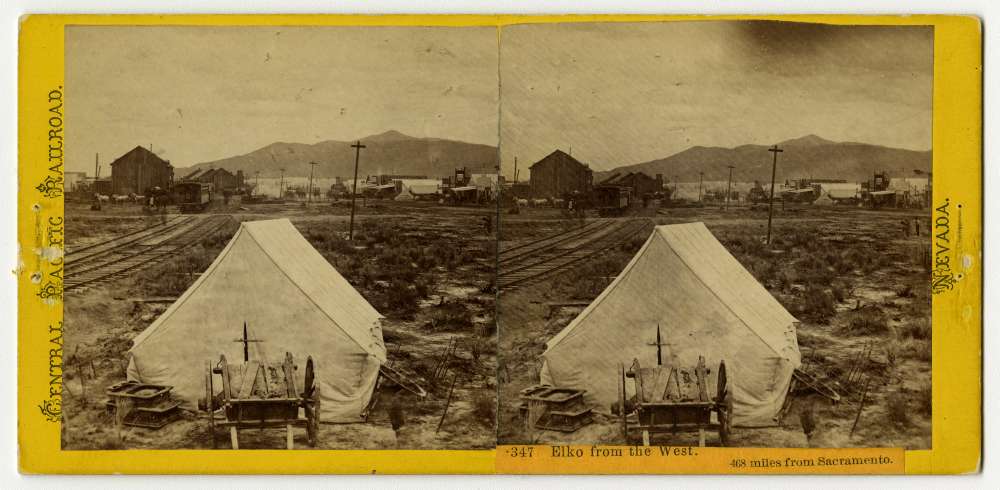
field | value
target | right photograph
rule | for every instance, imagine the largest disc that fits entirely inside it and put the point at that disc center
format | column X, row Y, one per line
column 715, row 233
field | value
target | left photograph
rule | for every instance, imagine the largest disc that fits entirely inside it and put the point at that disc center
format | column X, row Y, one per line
column 280, row 237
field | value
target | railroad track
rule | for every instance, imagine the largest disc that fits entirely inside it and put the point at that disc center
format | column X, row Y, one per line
column 116, row 257
column 98, row 250
column 566, row 252
column 534, row 247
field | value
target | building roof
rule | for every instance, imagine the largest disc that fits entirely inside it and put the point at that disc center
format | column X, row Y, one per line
column 611, row 179
column 560, row 155
column 840, row 190
column 917, row 184
column 194, row 174
column 420, row 186
column 484, row 180
column 627, row 178
column 141, row 152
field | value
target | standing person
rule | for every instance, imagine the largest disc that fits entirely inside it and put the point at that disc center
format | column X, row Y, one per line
column 488, row 224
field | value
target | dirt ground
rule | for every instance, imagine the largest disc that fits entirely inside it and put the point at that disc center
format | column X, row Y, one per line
column 426, row 267
column 856, row 278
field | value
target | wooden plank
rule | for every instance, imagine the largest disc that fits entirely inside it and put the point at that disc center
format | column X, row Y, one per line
column 660, row 377
column 265, row 372
column 155, row 299
column 672, row 392
column 249, row 373
column 702, row 373
column 291, row 391
column 640, row 390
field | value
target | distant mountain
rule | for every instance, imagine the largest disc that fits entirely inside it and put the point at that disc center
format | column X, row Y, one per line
column 388, row 152
column 806, row 157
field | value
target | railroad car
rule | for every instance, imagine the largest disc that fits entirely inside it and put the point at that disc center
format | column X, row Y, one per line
column 612, row 200
column 193, row 197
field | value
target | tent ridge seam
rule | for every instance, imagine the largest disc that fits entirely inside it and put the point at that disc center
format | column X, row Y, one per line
column 728, row 306
column 307, row 295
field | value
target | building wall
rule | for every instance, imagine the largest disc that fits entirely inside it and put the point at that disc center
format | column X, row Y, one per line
column 221, row 179
column 72, row 180
column 643, row 184
column 558, row 174
column 139, row 170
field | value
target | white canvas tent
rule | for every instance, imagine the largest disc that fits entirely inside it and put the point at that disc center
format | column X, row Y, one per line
column 705, row 304
column 291, row 299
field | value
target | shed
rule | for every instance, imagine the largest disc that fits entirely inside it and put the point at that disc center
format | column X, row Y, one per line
column 291, row 299
column 139, row 170
column 558, row 174
column 684, row 282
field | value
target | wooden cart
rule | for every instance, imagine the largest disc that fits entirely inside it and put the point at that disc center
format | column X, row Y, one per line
column 673, row 399
column 255, row 395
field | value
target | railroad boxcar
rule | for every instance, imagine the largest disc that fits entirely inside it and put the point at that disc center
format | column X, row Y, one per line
column 193, row 197
column 612, row 200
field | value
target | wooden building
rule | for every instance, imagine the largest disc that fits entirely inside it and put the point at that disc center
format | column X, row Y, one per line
column 639, row 183
column 558, row 174
column 220, row 178
column 139, row 170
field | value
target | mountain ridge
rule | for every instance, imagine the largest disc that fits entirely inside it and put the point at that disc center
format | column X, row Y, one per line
column 809, row 156
column 387, row 152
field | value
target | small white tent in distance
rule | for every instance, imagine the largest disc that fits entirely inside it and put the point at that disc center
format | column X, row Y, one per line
column 291, row 299
column 686, row 283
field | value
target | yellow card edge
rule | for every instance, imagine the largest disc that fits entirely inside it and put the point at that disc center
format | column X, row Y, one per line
column 957, row 325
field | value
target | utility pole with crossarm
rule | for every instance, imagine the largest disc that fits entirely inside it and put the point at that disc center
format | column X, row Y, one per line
column 312, row 165
column 729, row 187
column 354, row 191
column 770, row 205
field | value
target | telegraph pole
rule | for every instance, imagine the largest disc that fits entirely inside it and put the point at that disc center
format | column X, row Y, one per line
column 312, row 165
column 770, row 205
column 281, row 185
column 729, row 187
column 354, row 191
column 701, row 177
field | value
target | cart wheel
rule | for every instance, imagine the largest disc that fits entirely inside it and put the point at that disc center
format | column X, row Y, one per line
column 307, row 389
column 621, row 401
column 726, row 419
column 209, row 391
column 312, row 418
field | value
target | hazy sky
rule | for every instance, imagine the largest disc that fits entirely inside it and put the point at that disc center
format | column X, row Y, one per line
column 199, row 94
column 626, row 93
column 615, row 93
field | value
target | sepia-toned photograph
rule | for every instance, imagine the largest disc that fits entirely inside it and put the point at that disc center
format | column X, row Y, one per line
column 711, row 233
column 280, row 237
column 716, row 233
